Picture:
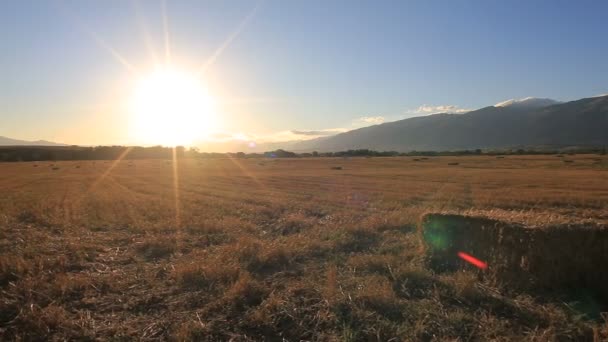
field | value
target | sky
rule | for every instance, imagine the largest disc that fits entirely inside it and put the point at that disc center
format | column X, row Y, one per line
column 287, row 69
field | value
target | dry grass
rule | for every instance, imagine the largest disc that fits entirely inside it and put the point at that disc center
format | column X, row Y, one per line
column 277, row 249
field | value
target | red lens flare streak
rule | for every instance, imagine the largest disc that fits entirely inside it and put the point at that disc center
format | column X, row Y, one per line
column 472, row 260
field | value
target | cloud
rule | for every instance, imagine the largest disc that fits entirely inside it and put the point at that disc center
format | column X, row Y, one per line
column 431, row 109
column 366, row 121
column 324, row 132
column 373, row 120
column 300, row 134
column 280, row 136
column 360, row 122
column 291, row 135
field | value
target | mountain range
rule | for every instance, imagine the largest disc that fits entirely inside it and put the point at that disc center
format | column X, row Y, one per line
column 4, row 141
column 516, row 123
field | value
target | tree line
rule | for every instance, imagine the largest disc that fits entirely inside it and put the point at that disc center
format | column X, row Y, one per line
column 57, row 153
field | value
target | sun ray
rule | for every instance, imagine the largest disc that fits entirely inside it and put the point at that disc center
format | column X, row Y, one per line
column 117, row 56
column 166, row 32
column 102, row 43
column 176, row 201
column 230, row 39
column 176, row 190
column 245, row 171
column 144, row 31
column 110, row 168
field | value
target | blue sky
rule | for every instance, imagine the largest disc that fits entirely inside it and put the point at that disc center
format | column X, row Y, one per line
column 294, row 65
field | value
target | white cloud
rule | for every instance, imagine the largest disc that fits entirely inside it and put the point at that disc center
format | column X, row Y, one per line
column 317, row 133
column 373, row 120
column 282, row 136
column 431, row 109
column 299, row 135
column 290, row 135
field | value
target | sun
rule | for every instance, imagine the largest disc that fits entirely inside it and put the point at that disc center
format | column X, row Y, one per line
column 171, row 107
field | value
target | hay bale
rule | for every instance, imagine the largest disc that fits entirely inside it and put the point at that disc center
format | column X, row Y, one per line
column 558, row 258
column 453, row 163
column 336, row 167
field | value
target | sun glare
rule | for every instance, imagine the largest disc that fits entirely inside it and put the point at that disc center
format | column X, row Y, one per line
column 171, row 107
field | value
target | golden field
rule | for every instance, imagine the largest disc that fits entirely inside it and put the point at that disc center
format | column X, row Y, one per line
column 269, row 249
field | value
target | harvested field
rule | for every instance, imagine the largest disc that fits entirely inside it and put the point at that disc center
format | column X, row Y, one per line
column 252, row 249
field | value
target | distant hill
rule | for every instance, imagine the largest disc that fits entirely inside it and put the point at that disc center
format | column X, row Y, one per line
column 4, row 141
column 537, row 122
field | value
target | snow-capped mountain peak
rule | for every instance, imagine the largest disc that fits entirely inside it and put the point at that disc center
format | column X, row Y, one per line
column 528, row 102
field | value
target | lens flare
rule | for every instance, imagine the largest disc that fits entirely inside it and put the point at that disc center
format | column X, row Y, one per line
column 472, row 260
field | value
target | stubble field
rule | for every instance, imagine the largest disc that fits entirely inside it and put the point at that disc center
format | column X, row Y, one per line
column 266, row 249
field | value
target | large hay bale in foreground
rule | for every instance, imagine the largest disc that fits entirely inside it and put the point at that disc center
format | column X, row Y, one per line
column 561, row 258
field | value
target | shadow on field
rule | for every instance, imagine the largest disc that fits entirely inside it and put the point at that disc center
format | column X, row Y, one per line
column 565, row 262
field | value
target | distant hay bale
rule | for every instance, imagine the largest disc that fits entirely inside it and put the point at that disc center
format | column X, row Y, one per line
column 453, row 163
column 156, row 248
column 416, row 159
column 558, row 258
column 55, row 168
column 568, row 161
column 500, row 157
column 336, row 167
